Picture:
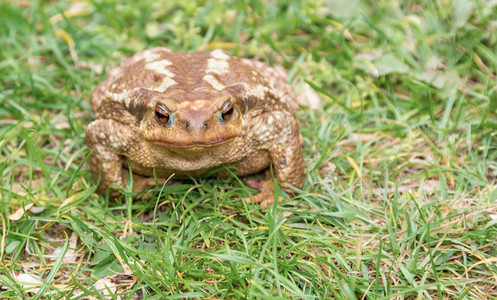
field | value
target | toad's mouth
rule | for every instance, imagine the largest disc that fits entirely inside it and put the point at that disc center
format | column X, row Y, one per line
column 193, row 144
column 195, row 139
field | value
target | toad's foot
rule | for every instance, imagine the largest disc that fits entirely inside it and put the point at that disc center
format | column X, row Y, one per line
column 266, row 195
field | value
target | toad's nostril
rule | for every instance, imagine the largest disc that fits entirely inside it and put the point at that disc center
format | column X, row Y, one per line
column 193, row 125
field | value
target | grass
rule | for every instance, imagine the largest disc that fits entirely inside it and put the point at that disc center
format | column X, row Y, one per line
column 400, row 195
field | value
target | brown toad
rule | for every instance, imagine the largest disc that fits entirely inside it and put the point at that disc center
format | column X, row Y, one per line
column 185, row 113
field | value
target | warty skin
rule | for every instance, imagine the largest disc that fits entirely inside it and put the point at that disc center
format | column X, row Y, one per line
column 185, row 113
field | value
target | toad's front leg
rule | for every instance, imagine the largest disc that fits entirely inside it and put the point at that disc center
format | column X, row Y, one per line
column 111, row 142
column 280, row 136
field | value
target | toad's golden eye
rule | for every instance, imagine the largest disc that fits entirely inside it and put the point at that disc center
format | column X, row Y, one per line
column 227, row 111
column 162, row 114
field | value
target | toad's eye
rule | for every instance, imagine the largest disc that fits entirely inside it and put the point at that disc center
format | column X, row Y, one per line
column 162, row 114
column 227, row 111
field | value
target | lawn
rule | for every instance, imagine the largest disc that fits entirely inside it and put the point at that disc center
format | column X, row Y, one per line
column 400, row 194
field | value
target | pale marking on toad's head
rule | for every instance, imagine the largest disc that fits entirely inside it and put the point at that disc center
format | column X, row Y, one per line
column 118, row 97
column 220, row 54
column 123, row 97
column 145, row 54
column 152, row 57
column 166, row 83
column 218, row 63
column 216, row 66
column 160, row 67
column 213, row 82
column 258, row 91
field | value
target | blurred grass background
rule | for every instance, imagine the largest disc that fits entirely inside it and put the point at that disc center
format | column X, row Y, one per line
column 400, row 195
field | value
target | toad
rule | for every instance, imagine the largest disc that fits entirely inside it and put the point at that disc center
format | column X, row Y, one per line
column 185, row 113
